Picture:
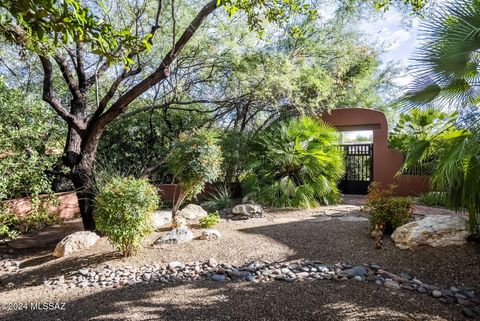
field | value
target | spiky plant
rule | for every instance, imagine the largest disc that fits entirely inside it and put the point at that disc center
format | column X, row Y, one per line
column 295, row 164
column 447, row 77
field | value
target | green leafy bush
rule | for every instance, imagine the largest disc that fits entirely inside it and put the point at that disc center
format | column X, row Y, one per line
column 210, row 220
column 194, row 161
column 387, row 212
column 295, row 164
column 31, row 138
column 123, row 211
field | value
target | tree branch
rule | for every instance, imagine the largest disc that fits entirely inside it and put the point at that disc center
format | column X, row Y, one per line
column 50, row 97
column 161, row 72
column 69, row 79
column 182, row 103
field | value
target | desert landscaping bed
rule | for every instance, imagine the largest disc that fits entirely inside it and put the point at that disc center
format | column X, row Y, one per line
column 326, row 236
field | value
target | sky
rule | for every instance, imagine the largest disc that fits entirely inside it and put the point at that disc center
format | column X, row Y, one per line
column 398, row 37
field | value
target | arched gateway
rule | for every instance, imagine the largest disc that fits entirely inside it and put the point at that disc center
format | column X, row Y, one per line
column 377, row 162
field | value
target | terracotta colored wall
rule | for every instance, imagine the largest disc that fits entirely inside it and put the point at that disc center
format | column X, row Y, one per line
column 67, row 208
column 386, row 161
column 169, row 192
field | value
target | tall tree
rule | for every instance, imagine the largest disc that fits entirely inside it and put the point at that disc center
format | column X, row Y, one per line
column 85, row 42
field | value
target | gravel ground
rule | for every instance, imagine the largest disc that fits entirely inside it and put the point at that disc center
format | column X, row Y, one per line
column 278, row 301
column 282, row 235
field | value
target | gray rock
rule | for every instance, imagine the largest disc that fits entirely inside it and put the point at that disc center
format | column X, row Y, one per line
column 75, row 242
column 350, row 273
column 84, row 271
column 210, row 234
column 175, row 236
column 240, row 275
column 422, row 290
column 248, row 211
column 436, row 293
column 212, row 262
column 192, row 213
column 218, row 278
column 468, row 313
column 392, row 285
column 358, row 278
column 162, row 218
column 175, row 264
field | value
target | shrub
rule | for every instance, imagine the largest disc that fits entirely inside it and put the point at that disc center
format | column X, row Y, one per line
column 123, row 212
column 194, row 161
column 295, row 164
column 387, row 211
column 219, row 199
column 210, row 220
column 12, row 225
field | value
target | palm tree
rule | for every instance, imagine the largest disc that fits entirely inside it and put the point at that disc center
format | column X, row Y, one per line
column 447, row 77
column 296, row 164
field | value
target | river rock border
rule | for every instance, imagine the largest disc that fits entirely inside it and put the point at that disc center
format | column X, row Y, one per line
column 258, row 271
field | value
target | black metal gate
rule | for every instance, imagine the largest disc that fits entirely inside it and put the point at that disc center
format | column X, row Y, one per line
column 358, row 168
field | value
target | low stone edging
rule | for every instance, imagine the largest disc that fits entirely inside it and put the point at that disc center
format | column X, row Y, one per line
column 211, row 270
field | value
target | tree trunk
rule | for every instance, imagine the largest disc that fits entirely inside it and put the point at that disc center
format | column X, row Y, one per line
column 80, row 158
column 84, row 181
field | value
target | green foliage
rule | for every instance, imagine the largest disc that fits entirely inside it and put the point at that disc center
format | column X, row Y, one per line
column 433, row 199
column 295, row 164
column 210, row 220
column 194, row 161
column 12, row 226
column 31, row 139
column 139, row 145
column 423, row 125
column 123, row 211
column 235, row 145
column 43, row 25
column 447, row 65
column 219, row 199
column 386, row 211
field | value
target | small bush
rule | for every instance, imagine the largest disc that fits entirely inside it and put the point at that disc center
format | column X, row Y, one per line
column 387, row 211
column 195, row 160
column 123, row 212
column 210, row 220
column 219, row 199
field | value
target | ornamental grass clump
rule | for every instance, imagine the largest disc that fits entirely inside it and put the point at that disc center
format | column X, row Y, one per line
column 123, row 212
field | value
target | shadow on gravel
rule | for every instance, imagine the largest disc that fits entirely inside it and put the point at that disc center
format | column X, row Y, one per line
column 349, row 242
column 37, row 274
column 276, row 301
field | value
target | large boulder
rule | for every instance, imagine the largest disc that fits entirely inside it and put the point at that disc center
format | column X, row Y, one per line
column 433, row 230
column 192, row 213
column 75, row 242
column 246, row 211
column 162, row 218
column 175, row 236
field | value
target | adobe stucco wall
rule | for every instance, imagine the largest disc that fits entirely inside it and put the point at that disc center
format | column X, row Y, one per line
column 67, row 207
column 386, row 161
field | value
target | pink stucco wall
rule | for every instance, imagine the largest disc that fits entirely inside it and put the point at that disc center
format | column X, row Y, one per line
column 386, row 161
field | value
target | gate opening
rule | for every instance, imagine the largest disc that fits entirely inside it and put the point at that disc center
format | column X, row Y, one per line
column 357, row 147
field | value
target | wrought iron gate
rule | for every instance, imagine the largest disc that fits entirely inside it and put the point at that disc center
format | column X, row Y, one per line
column 358, row 168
